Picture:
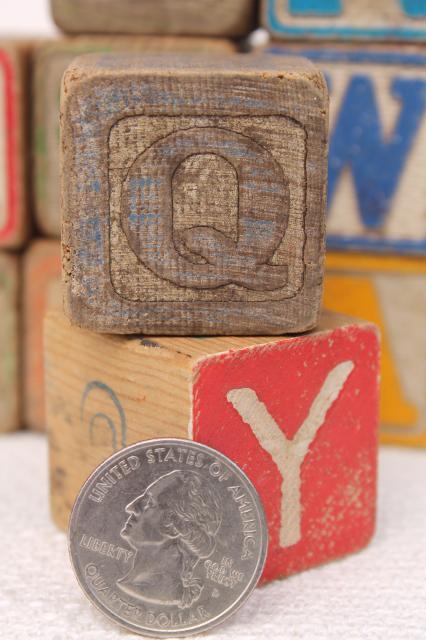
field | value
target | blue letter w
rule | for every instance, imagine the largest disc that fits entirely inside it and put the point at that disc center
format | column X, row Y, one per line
column 358, row 141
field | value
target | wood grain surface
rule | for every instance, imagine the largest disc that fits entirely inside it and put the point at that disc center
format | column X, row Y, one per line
column 346, row 19
column 41, row 288
column 233, row 18
column 200, row 206
column 14, row 147
column 298, row 414
column 390, row 292
column 50, row 62
column 10, row 366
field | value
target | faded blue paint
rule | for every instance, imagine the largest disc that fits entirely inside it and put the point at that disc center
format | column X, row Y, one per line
column 358, row 141
column 118, row 436
column 315, row 7
column 413, row 9
column 377, row 161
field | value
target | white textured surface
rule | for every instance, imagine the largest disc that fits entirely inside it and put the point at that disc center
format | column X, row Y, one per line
column 377, row 594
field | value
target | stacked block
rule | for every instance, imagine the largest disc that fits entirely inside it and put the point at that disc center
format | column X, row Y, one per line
column 391, row 292
column 345, row 19
column 14, row 149
column 298, row 414
column 41, row 289
column 231, row 18
column 377, row 151
column 205, row 214
column 9, row 343
column 50, row 62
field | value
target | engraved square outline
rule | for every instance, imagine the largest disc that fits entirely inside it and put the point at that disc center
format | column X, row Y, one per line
column 217, row 301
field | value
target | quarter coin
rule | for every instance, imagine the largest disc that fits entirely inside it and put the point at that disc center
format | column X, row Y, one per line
column 168, row 538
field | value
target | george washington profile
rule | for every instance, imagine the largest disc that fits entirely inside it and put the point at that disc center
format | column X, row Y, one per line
column 172, row 526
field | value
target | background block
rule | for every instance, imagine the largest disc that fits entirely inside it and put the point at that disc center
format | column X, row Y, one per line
column 377, row 151
column 233, row 18
column 9, row 350
column 391, row 292
column 346, row 19
column 50, row 62
column 211, row 218
column 298, row 414
column 13, row 145
column 41, row 288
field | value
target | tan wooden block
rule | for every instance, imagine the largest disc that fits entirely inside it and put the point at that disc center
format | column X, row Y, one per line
column 10, row 417
column 50, row 62
column 193, row 194
column 14, row 219
column 41, row 288
column 298, row 414
column 232, row 18
column 345, row 19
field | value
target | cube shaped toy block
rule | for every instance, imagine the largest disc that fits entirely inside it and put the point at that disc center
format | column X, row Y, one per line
column 391, row 292
column 193, row 194
column 231, row 18
column 50, row 62
column 41, row 289
column 376, row 193
column 346, row 19
column 9, row 344
column 298, row 414
column 14, row 222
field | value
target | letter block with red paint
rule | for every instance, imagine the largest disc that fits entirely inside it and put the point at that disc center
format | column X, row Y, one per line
column 13, row 145
column 300, row 417
column 298, row 414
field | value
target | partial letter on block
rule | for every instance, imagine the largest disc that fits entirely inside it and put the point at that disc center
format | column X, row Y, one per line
column 200, row 206
column 41, row 289
column 346, row 19
column 50, row 62
column 9, row 344
column 14, row 147
column 298, row 414
column 231, row 18
column 376, row 187
column 391, row 292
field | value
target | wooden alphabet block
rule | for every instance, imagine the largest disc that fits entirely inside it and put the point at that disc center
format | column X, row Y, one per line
column 376, row 190
column 231, row 18
column 50, row 62
column 199, row 209
column 9, row 346
column 390, row 292
column 13, row 145
column 346, row 19
column 298, row 414
column 41, row 289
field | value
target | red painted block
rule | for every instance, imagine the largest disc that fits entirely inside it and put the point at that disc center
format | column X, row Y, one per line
column 300, row 416
column 13, row 145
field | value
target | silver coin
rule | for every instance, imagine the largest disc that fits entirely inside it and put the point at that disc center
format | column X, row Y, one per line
column 168, row 538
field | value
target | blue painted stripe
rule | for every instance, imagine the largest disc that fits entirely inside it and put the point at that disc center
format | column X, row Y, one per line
column 336, row 55
column 409, row 33
column 378, row 244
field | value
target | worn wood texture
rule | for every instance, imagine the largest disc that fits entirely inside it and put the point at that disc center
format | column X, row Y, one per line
column 41, row 289
column 346, row 19
column 14, row 219
column 232, row 18
column 193, row 194
column 298, row 414
column 50, row 62
column 377, row 153
column 10, row 417
column 391, row 292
